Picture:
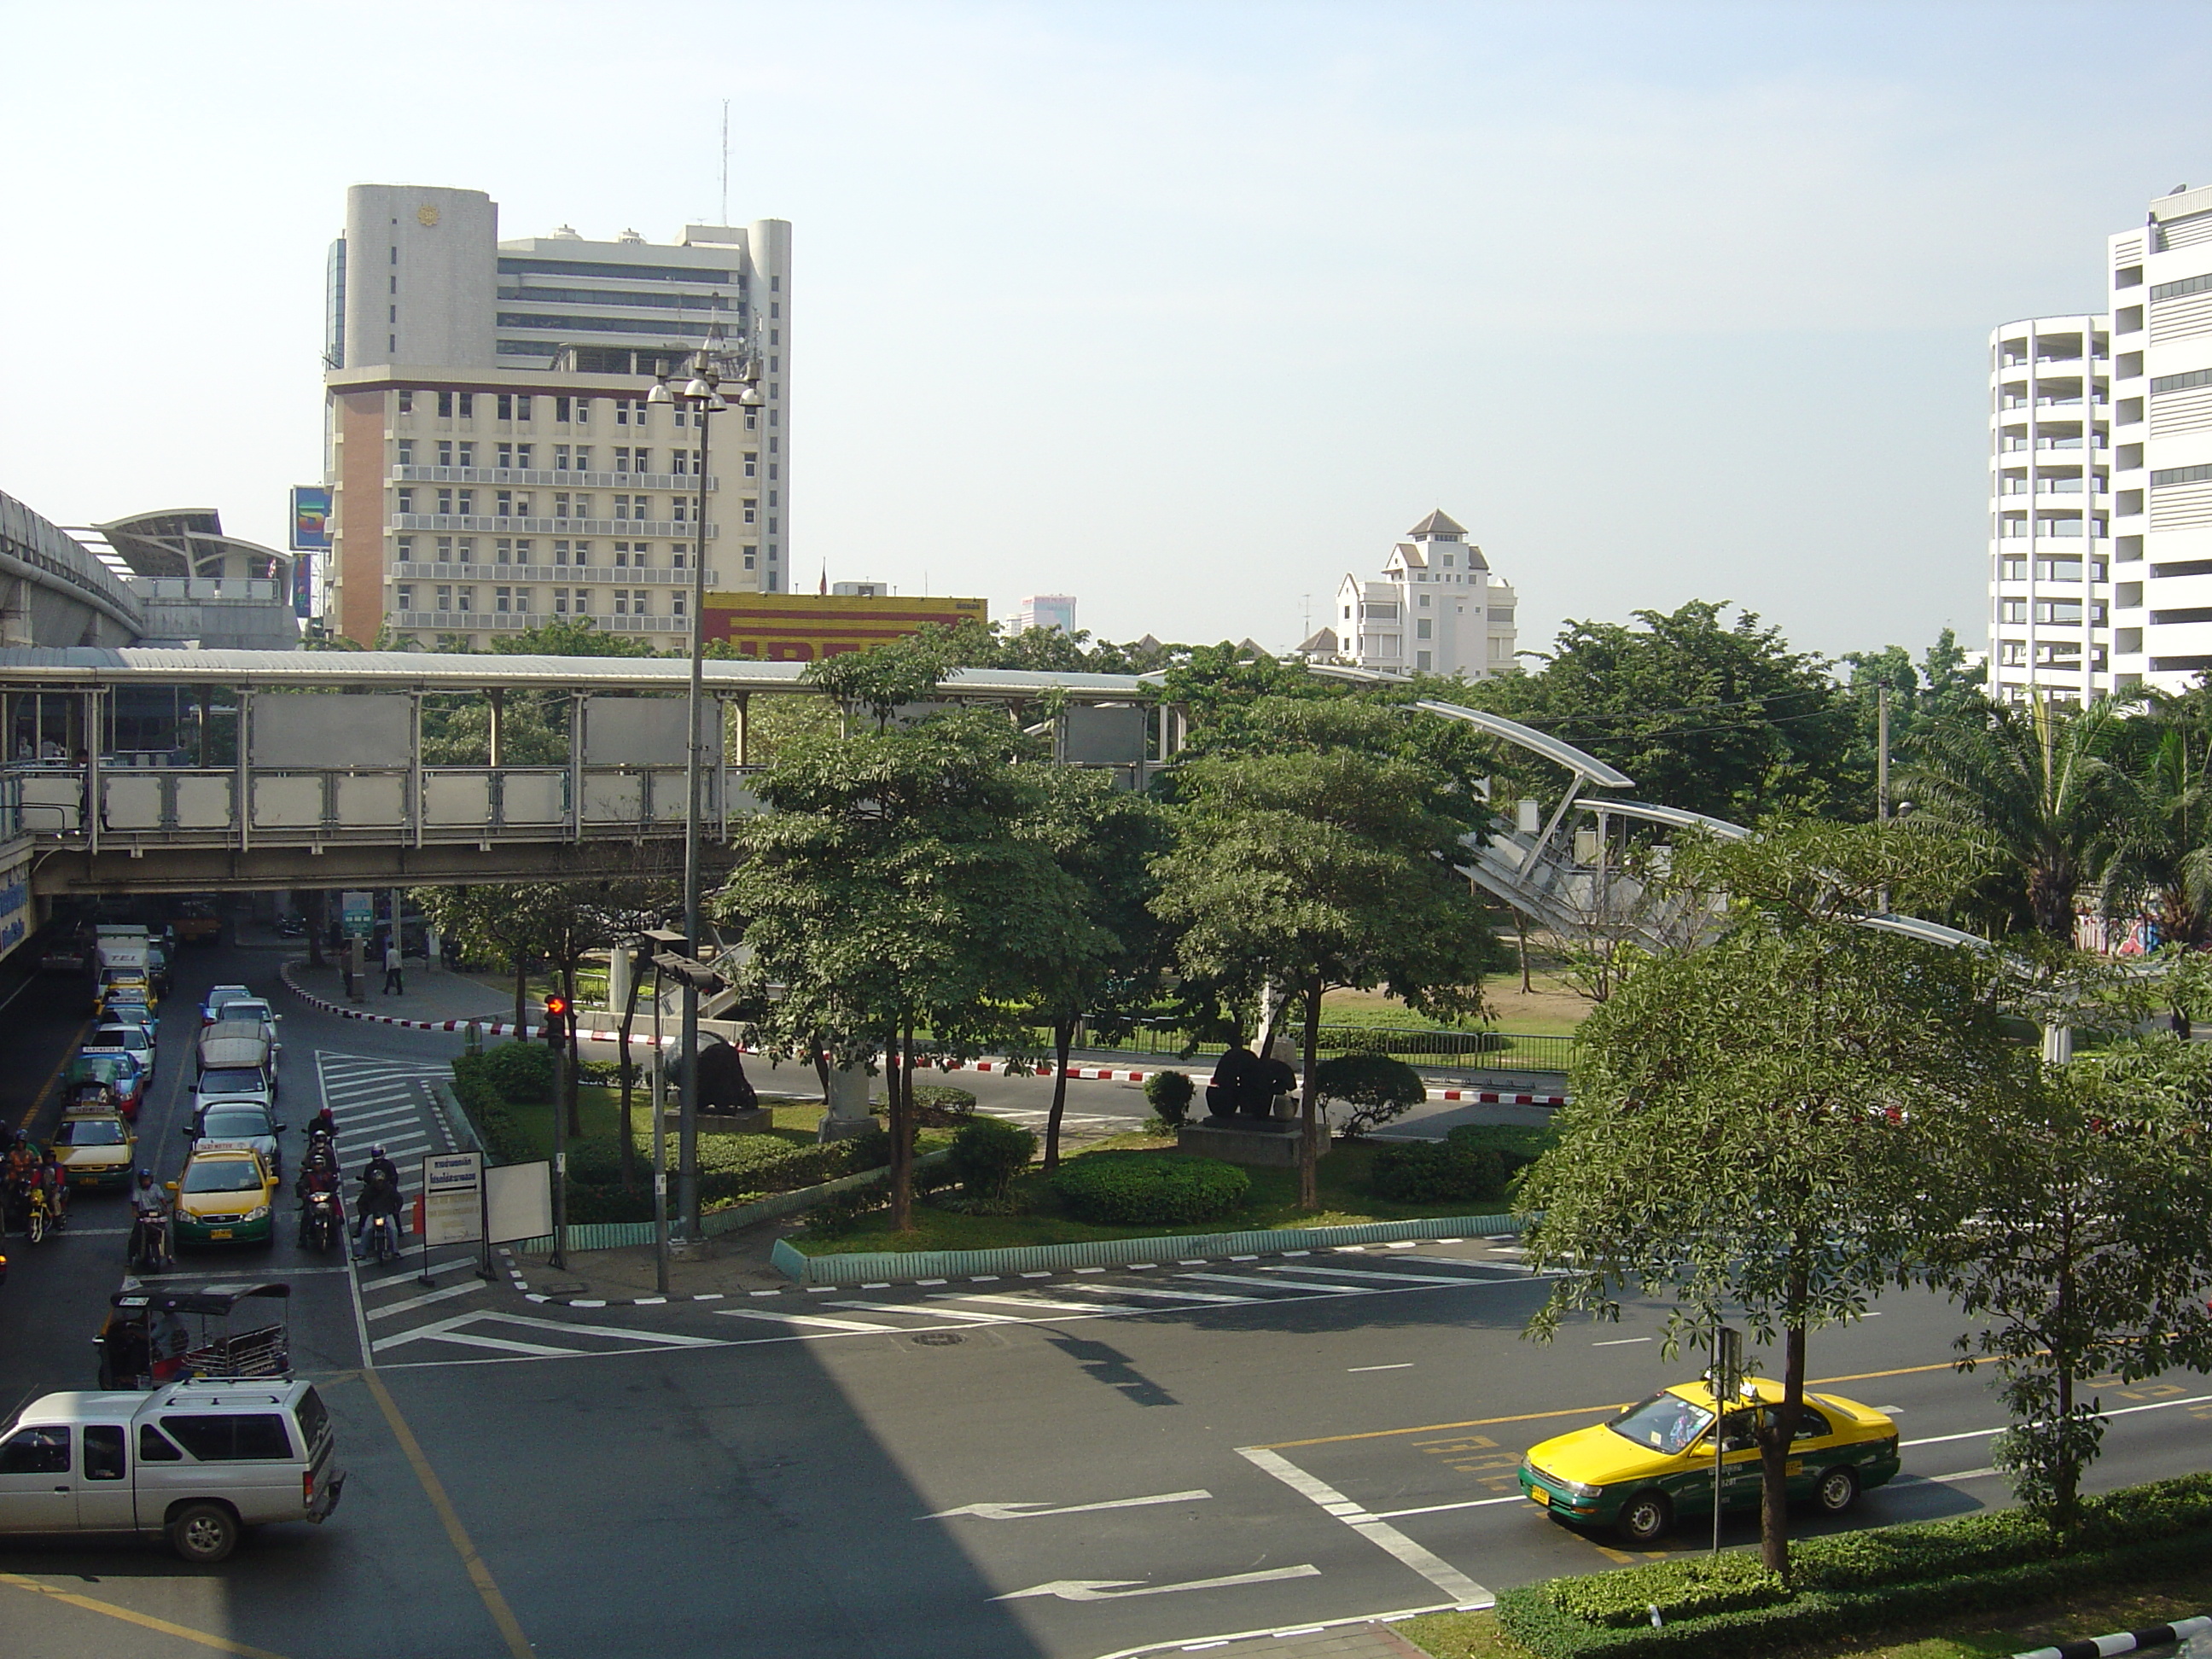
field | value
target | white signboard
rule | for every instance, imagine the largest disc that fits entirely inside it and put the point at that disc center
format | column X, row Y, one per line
column 453, row 1206
column 518, row 1202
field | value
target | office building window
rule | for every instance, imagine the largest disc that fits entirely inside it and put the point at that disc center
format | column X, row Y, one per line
column 523, row 554
column 644, row 460
column 621, row 602
column 749, row 558
column 676, row 605
column 522, row 600
column 560, row 458
column 629, row 412
column 503, row 505
column 560, row 551
column 679, row 508
column 583, row 552
column 676, row 558
column 561, row 504
column 407, row 402
column 406, row 451
column 1423, row 629
column 466, row 404
column 445, row 604
column 753, row 420
column 464, row 502
column 403, row 597
column 464, row 598
column 561, row 604
column 583, row 458
column 406, row 500
column 466, row 454
column 514, row 406
column 583, row 601
column 622, row 506
column 444, row 550
column 445, row 405
column 505, row 455
column 750, row 516
column 445, row 502
column 403, row 549
column 637, row 601
column 502, row 551
column 752, row 462
column 466, row 547
column 502, row 601
column 445, row 452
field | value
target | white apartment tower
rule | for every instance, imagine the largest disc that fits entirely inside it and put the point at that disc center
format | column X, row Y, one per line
column 1436, row 609
column 2051, row 547
column 494, row 462
column 2101, row 561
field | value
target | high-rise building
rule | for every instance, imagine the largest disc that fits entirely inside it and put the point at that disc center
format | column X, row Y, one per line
column 493, row 461
column 1436, row 609
column 1050, row 611
column 2100, row 474
column 2051, row 547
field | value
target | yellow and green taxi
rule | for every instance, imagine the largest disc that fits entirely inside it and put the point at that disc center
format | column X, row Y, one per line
column 224, row 1196
column 119, row 987
column 1654, row 1463
column 96, row 1147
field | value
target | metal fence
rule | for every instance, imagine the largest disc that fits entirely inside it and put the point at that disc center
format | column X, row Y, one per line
column 1483, row 1051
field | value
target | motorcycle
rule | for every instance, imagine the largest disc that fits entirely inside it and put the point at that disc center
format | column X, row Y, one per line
column 39, row 1217
column 149, row 1245
column 383, row 1241
column 318, row 1221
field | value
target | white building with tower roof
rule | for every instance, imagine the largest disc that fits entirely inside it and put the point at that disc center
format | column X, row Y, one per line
column 1436, row 608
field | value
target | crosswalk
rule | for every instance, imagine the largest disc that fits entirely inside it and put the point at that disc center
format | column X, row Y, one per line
column 386, row 1102
column 466, row 1321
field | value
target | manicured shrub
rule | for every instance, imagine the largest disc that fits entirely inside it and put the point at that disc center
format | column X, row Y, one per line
column 987, row 1154
column 941, row 1106
column 1168, row 1094
column 1680, row 1589
column 1375, row 1086
column 1140, row 1189
column 1474, row 1161
column 523, row 1072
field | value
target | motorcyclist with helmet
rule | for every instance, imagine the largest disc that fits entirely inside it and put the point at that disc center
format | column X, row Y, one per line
column 319, row 1173
column 149, row 1210
column 380, row 1195
column 19, row 1172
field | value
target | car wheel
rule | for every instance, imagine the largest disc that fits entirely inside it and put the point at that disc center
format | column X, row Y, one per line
column 204, row 1533
column 1837, row 1491
column 1645, row 1518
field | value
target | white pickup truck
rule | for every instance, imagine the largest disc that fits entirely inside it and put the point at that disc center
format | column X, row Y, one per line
column 196, row 1463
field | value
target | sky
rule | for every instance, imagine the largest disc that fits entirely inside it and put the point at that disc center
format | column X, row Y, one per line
column 1185, row 309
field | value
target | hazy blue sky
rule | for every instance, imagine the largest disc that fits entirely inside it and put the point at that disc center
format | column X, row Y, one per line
column 1186, row 308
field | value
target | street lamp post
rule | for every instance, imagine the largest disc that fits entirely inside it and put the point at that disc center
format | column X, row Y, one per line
column 702, row 398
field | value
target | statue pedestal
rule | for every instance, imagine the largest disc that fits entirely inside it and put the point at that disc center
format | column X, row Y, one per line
column 1270, row 1141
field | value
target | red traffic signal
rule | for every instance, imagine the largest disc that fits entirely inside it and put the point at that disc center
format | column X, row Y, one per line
column 559, row 1020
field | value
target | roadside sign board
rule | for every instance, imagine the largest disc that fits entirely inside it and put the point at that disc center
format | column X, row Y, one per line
column 452, row 1207
column 518, row 1202
column 358, row 913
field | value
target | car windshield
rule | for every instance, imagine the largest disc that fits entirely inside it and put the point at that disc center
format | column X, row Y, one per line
column 122, row 1037
column 1665, row 1422
column 222, row 1175
column 233, row 1125
column 241, row 1009
column 89, row 1132
column 99, row 1068
column 230, row 1080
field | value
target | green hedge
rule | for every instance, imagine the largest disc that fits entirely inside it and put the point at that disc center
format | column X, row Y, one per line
column 732, row 1169
column 1143, row 1189
column 1853, row 1582
column 1474, row 1161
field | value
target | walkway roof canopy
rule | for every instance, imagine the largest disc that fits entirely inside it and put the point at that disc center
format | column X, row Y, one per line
column 79, row 667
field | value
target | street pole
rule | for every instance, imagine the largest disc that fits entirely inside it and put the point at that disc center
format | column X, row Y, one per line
column 1881, row 754
column 687, row 1128
column 659, row 1146
column 559, row 1260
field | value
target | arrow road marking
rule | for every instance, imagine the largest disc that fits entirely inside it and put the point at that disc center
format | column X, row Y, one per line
column 1118, row 1589
column 1032, row 1511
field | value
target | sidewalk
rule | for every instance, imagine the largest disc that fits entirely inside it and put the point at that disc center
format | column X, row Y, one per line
column 433, row 994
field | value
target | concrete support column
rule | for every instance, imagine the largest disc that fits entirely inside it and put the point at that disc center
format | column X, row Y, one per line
column 847, row 1106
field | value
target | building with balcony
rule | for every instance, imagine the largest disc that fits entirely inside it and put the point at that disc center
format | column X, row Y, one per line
column 493, row 463
column 1436, row 608
column 2051, row 507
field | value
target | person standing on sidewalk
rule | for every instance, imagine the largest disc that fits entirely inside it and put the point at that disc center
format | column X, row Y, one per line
column 393, row 986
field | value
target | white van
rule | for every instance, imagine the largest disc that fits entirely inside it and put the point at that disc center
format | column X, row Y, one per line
column 196, row 1463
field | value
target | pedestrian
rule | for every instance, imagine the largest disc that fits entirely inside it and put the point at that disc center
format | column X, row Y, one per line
column 393, row 986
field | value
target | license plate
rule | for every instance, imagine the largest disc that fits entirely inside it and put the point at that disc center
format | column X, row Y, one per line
column 1540, row 1496
column 219, row 1232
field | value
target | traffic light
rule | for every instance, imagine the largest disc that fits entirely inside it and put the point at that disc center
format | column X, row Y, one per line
column 559, row 1021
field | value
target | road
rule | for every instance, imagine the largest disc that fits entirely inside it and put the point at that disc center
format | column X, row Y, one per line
column 1071, row 1465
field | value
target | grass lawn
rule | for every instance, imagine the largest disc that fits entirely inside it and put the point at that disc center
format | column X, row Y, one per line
column 1273, row 1203
column 600, row 1111
column 2097, row 1613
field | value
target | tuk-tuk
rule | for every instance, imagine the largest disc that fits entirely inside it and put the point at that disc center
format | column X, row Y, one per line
column 146, row 1342
column 110, row 1079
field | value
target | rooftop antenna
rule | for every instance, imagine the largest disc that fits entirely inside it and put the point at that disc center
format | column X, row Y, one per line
column 726, row 161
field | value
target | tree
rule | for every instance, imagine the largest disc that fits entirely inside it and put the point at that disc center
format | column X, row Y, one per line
column 1105, row 976
column 897, row 885
column 2089, row 1252
column 1754, row 1119
column 1727, row 720
column 2160, row 817
column 1327, row 867
column 2029, row 787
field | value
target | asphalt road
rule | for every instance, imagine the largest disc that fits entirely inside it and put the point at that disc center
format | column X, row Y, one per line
column 1071, row 1465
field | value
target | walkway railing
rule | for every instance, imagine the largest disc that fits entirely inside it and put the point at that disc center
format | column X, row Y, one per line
column 1457, row 1050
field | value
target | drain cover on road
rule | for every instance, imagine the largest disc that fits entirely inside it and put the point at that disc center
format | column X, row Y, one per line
column 939, row 1339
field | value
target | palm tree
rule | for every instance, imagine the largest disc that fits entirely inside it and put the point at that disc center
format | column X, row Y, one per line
column 2161, row 817
column 2028, row 786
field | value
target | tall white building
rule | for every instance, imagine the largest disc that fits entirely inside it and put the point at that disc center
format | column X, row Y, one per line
column 1050, row 610
column 2051, row 547
column 2100, row 474
column 493, row 461
column 1436, row 609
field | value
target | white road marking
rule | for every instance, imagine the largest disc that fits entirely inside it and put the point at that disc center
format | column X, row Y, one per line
column 386, row 1309
column 1621, row 1342
column 1118, row 1589
column 821, row 1321
column 1173, row 1296
column 1440, row 1509
column 1033, row 1512
column 1407, row 1278
column 1044, row 1303
column 2122, row 1411
column 1279, row 1284
column 1402, row 1366
column 930, row 1313
column 1463, row 1590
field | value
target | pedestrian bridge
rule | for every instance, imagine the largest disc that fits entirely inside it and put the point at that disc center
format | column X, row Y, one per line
column 198, row 771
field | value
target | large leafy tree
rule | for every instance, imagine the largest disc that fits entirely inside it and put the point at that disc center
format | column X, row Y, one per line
column 2029, row 787
column 901, row 884
column 1754, row 1119
column 2089, row 1255
column 1721, row 718
column 2160, row 818
column 1327, row 865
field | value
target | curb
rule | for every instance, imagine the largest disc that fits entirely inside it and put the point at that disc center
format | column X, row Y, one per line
column 1088, row 1073
column 2123, row 1641
column 873, row 1268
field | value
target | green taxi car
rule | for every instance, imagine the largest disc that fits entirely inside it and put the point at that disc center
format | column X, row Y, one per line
column 1654, row 1463
column 224, row 1196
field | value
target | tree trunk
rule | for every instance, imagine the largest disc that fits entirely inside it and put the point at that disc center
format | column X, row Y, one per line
column 1521, row 933
column 628, row 1077
column 2066, row 1482
column 1309, row 1138
column 316, row 913
column 521, row 997
column 1063, row 1038
column 902, row 1127
column 1774, row 1441
column 572, row 1104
